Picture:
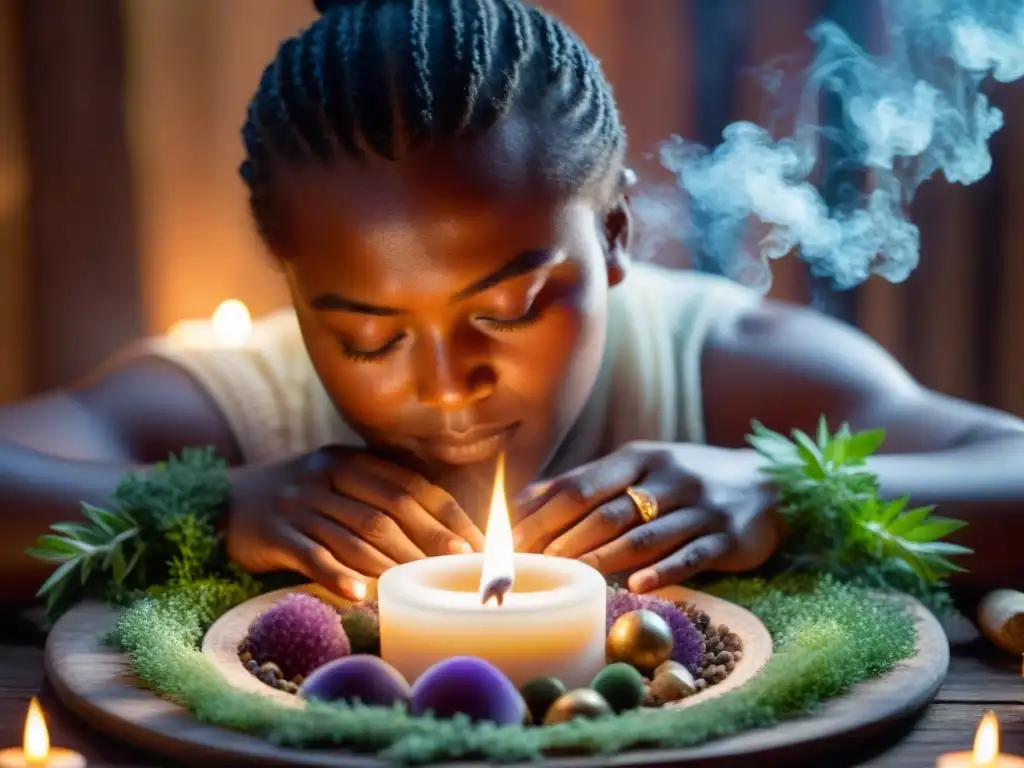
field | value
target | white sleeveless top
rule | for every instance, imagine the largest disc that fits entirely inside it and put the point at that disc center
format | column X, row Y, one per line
column 649, row 386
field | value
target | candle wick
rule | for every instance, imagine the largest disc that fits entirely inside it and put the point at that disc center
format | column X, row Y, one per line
column 495, row 589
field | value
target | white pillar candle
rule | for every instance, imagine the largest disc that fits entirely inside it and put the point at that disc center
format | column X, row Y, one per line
column 551, row 623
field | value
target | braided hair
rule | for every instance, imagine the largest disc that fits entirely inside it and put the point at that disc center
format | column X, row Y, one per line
column 387, row 77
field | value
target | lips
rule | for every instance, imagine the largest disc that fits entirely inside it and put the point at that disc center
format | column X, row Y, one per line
column 469, row 447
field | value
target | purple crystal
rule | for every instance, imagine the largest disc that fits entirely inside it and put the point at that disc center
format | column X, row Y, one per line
column 362, row 678
column 469, row 686
column 298, row 633
column 686, row 638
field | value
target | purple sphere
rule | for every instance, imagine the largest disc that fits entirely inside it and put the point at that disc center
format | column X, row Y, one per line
column 469, row 686
column 359, row 678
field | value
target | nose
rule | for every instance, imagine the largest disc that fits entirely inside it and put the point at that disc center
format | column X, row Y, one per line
column 452, row 373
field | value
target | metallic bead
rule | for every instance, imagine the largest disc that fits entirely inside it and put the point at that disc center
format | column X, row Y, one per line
column 641, row 638
column 582, row 702
column 673, row 683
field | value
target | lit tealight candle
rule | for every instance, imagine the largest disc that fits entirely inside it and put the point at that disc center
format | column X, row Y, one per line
column 230, row 326
column 36, row 751
column 529, row 615
column 986, row 750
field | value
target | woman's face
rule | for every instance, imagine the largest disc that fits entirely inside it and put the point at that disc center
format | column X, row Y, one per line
column 452, row 308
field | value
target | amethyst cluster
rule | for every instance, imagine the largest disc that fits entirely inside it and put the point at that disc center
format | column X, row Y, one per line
column 298, row 633
column 686, row 648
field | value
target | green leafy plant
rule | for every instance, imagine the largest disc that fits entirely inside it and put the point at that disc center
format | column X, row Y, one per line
column 158, row 529
column 838, row 523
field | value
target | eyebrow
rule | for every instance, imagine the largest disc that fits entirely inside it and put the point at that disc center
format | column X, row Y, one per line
column 525, row 262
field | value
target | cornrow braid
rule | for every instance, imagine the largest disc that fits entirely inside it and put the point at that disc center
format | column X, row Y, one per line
column 388, row 77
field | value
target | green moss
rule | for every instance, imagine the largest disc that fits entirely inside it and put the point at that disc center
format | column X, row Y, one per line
column 828, row 637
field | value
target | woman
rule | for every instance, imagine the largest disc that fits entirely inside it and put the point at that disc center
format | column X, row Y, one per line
column 442, row 183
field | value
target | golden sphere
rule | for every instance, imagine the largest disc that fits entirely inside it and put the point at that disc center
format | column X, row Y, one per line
column 582, row 702
column 641, row 638
column 673, row 683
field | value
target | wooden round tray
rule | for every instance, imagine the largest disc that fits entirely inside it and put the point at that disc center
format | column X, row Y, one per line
column 95, row 683
column 222, row 640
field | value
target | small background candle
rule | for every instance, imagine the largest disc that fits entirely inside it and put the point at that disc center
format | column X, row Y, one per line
column 986, row 750
column 230, row 326
column 35, row 751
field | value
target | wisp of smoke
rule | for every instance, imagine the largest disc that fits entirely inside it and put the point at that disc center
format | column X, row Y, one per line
column 906, row 116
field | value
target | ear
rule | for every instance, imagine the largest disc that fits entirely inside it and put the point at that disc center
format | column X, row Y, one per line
column 618, row 229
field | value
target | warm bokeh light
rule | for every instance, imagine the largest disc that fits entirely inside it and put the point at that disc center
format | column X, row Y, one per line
column 37, row 739
column 498, row 549
column 231, row 323
column 986, row 741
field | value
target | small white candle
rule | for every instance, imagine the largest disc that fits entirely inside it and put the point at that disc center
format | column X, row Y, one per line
column 551, row 622
column 230, row 326
column 36, row 751
column 986, row 750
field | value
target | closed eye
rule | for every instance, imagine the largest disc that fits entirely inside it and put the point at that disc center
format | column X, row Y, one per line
column 532, row 315
column 370, row 355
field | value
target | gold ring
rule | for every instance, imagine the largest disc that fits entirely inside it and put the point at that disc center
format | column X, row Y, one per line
column 645, row 503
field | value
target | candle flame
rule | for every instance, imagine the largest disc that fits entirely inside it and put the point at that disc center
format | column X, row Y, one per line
column 498, row 572
column 36, row 744
column 231, row 323
column 986, row 741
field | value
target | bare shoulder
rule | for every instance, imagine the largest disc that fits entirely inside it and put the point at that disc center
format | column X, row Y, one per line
column 137, row 407
column 786, row 365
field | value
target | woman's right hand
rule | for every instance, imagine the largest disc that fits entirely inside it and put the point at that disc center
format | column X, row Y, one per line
column 341, row 516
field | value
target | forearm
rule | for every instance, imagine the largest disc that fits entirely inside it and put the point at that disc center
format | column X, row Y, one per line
column 981, row 484
column 38, row 490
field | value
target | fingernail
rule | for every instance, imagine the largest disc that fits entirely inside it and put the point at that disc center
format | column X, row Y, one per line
column 460, row 548
column 642, row 581
column 554, row 550
column 517, row 541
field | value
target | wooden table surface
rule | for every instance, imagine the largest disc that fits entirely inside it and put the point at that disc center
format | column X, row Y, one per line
column 980, row 678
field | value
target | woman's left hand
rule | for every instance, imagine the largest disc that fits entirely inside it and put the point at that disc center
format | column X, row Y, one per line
column 713, row 511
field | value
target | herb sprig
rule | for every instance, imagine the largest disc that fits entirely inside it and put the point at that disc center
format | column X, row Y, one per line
column 159, row 529
column 838, row 523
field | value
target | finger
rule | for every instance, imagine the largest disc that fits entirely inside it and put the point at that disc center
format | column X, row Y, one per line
column 343, row 544
column 367, row 522
column 616, row 516
column 604, row 524
column 315, row 562
column 527, row 500
column 570, row 497
column 646, row 543
column 418, row 525
column 697, row 556
column 434, row 499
